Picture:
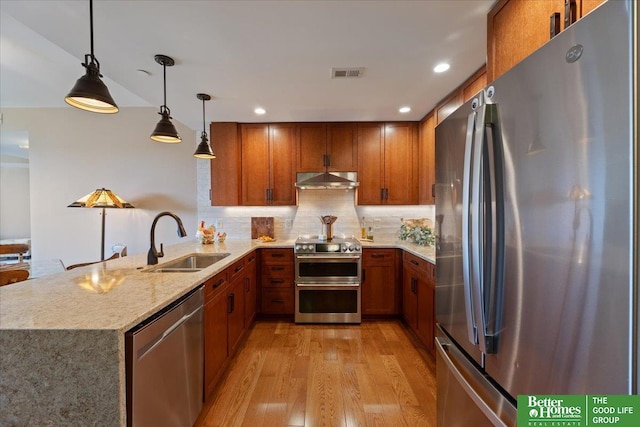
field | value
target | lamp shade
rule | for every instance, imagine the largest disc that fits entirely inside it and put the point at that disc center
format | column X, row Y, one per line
column 165, row 131
column 101, row 198
column 204, row 151
column 91, row 94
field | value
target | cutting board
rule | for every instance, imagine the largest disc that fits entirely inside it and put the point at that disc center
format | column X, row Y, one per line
column 261, row 226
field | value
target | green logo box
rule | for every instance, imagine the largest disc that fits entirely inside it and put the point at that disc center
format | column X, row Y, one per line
column 578, row 410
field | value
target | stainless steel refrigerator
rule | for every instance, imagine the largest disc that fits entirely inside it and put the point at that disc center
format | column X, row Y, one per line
column 537, row 213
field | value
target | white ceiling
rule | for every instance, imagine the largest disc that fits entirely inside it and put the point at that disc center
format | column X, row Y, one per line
column 273, row 54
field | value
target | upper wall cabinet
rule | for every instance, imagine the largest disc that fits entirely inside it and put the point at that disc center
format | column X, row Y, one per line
column 426, row 159
column 516, row 28
column 225, row 168
column 268, row 164
column 331, row 146
column 387, row 163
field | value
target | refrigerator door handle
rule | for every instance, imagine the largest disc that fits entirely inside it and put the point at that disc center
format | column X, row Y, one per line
column 477, row 228
column 468, row 182
column 443, row 348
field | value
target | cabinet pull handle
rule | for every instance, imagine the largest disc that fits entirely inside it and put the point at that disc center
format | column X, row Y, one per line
column 433, row 191
column 277, row 255
column 247, row 285
column 382, row 194
column 413, row 285
column 554, row 24
column 569, row 13
column 277, row 268
column 231, row 298
column 280, row 301
column 377, row 255
column 238, row 268
column 252, row 258
column 277, row 280
column 217, row 284
column 414, row 262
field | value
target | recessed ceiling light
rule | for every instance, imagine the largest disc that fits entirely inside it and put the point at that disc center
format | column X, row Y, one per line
column 404, row 109
column 441, row 68
column 259, row 111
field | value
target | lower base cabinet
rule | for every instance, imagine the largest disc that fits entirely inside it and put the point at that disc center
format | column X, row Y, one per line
column 418, row 290
column 380, row 290
column 229, row 298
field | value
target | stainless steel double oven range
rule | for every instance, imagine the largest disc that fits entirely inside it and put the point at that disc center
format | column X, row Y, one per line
column 328, row 276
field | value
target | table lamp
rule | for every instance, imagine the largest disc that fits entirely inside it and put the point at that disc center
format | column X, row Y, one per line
column 101, row 198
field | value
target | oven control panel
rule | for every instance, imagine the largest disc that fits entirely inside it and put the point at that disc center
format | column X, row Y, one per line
column 345, row 247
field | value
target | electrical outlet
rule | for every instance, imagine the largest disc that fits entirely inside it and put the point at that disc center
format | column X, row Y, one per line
column 288, row 223
column 219, row 224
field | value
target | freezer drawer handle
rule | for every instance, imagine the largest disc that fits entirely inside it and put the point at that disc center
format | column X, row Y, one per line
column 443, row 348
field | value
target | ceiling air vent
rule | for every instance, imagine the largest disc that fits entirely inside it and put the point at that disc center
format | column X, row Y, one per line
column 348, row 72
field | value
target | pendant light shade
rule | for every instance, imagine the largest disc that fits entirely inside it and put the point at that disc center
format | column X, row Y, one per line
column 204, row 150
column 165, row 131
column 90, row 93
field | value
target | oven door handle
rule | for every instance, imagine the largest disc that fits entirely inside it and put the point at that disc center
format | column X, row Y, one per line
column 328, row 285
column 330, row 257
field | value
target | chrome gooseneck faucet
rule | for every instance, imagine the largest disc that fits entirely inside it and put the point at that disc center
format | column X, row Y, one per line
column 153, row 255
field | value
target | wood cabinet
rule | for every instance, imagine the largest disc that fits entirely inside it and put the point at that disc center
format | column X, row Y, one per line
column 277, row 281
column 268, row 164
column 387, row 163
column 327, row 146
column 516, row 28
column 381, row 287
column 419, row 298
column 427, row 159
column 250, row 289
column 225, row 168
column 215, row 330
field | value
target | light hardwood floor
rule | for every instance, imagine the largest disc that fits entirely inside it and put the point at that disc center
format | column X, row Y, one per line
column 326, row 375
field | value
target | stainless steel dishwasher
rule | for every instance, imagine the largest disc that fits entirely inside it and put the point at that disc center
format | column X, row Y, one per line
column 165, row 365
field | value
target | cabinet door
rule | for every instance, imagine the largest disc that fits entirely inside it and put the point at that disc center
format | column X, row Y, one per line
column 342, row 147
column 425, row 315
column 235, row 313
column 587, row 6
column 426, row 160
column 215, row 339
column 400, row 164
column 515, row 28
column 255, row 164
column 312, row 147
column 370, row 163
column 410, row 297
column 250, row 295
column 380, row 287
column 225, row 168
column 283, row 154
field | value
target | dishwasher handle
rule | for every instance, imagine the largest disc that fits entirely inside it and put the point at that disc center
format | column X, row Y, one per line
column 149, row 347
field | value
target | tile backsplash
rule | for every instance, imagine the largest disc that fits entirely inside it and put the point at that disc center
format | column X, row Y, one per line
column 292, row 221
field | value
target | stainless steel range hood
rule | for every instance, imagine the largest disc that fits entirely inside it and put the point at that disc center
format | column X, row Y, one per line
column 327, row 181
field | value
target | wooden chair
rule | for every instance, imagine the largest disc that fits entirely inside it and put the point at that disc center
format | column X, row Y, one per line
column 8, row 277
column 122, row 253
column 14, row 248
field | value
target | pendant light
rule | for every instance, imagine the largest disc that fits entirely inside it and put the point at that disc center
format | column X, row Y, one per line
column 165, row 131
column 204, row 150
column 90, row 93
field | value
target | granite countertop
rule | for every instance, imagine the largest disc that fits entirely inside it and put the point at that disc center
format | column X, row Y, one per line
column 119, row 294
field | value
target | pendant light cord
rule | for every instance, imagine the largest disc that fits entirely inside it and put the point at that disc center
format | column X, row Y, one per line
column 91, row 27
column 204, row 132
column 164, row 69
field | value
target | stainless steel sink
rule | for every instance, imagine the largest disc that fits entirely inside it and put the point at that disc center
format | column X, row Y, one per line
column 188, row 264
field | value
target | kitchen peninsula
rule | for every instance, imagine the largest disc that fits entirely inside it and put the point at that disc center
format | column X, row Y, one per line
column 62, row 336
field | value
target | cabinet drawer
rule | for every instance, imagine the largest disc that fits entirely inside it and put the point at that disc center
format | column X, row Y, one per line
column 278, row 271
column 378, row 256
column 422, row 265
column 277, row 281
column 215, row 285
column 277, row 256
column 277, row 301
column 237, row 268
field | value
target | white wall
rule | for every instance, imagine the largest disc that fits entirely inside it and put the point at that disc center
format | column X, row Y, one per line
column 73, row 152
column 14, row 198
